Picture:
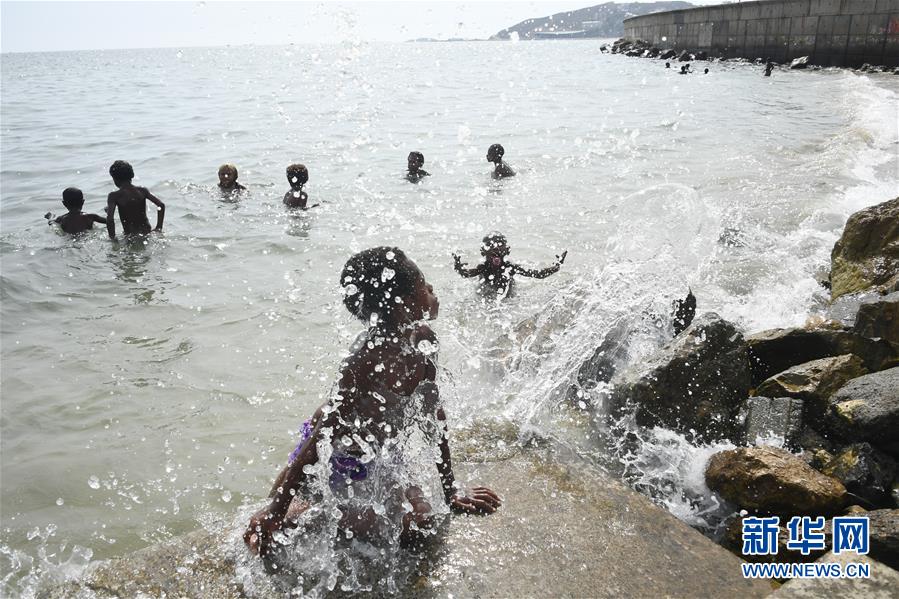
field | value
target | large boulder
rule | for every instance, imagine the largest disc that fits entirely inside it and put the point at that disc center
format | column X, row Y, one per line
column 879, row 319
column 814, row 382
column 694, row 385
column 799, row 63
column 779, row 417
column 867, row 409
column 867, row 254
column 884, row 528
column 777, row 350
column 667, row 54
column 773, row 481
column 864, row 471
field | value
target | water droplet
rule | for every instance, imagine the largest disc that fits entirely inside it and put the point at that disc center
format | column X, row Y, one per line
column 93, row 482
column 60, row 501
column 226, row 496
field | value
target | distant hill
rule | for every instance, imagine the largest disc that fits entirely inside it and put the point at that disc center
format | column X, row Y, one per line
column 602, row 20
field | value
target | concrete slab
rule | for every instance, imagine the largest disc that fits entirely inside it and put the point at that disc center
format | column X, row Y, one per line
column 562, row 532
column 882, row 584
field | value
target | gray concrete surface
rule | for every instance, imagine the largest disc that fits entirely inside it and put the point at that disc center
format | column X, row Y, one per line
column 560, row 533
column 830, row 32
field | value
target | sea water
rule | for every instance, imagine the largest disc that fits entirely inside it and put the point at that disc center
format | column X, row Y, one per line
column 153, row 386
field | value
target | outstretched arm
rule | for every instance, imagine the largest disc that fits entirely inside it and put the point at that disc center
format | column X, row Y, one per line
column 481, row 501
column 160, row 215
column 466, row 272
column 540, row 273
column 269, row 520
column 97, row 218
column 110, row 217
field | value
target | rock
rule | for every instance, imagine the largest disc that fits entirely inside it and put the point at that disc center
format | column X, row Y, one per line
column 867, row 254
column 777, row 350
column 694, row 385
column 702, row 55
column 799, row 63
column 683, row 312
column 884, row 527
column 814, row 382
column 684, row 56
column 563, row 531
column 881, row 584
column 879, row 319
column 667, row 54
column 866, row 67
column 864, row 471
column 653, row 52
column 867, row 408
column 605, row 359
column 732, row 540
column 779, row 417
column 772, row 480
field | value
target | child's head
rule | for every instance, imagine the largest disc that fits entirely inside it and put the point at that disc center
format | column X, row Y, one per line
column 494, row 247
column 495, row 153
column 297, row 175
column 227, row 175
column 121, row 172
column 384, row 282
column 73, row 199
column 416, row 160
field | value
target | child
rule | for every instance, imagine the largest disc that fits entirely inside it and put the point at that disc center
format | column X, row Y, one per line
column 228, row 178
column 297, row 176
column 495, row 155
column 75, row 221
column 415, row 161
column 386, row 389
column 497, row 274
column 131, row 202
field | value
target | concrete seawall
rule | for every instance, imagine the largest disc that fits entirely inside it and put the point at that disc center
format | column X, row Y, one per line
column 831, row 32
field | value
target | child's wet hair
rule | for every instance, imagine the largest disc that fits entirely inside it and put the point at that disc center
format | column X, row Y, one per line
column 121, row 171
column 72, row 198
column 374, row 279
column 496, row 150
column 300, row 172
column 494, row 240
column 228, row 167
column 418, row 157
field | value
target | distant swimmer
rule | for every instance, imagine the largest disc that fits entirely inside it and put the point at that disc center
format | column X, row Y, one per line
column 297, row 176
column 415, row 161
column 495, row 155
column 667, row 65
column 497, row 275
column 706, row 72
column 768, row 68
column 228, row 178
column 75, row 221
column 685, row 70
column 131, row 202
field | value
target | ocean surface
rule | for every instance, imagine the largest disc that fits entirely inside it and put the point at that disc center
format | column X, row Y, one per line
column 149, row 388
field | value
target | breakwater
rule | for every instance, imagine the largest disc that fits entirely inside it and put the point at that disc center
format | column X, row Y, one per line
column 830, row 32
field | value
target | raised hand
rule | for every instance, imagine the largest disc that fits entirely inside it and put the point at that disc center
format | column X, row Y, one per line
column 481, row 500
column 561, row 259
column 259, row 535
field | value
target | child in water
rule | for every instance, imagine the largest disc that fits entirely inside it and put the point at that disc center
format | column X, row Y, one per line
column 497, row 275
column 75, row 221
column 131, row 202
column 297, row 176
column 228, row 178
column 495, row 155
column 386, row 389
column 415, row 161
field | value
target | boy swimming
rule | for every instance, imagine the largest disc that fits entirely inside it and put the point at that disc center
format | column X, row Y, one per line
column 495, row 155
column 228, row 178
column 415, row 173
column 75, row 221
column 131, row 201
column 297, row 176
column 386, row 390
column 497, row 275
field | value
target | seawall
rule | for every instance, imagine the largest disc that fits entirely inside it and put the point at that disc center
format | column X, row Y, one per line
column 831, row 32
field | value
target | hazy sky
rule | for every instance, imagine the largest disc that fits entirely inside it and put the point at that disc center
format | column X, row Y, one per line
column 39, row 26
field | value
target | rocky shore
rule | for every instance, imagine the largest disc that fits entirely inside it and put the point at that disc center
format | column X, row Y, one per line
column 644, row 49
column 814, row 410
